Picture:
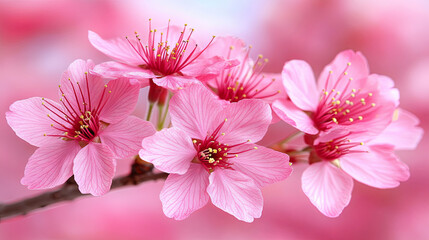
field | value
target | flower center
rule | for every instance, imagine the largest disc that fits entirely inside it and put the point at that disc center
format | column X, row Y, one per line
column 336, row 148
column 161, row 57
column 343, row 106
column 244, row 81
column 212, row 154
column 77, row 120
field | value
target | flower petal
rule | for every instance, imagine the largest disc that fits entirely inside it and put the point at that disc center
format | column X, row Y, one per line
column 125, row 137
column 300, row 84
column 194, row 109
column 328, row 187
column 175, row 83
column 170, row 150
column 226, row 47
column 122, row 96
column 206, row 69
column 247, row 120
column 119, row 49
column 118, row 70
column 378, row 168
column 184, row 194
column 236, row 194
column 50, row 165
column 402, row 132
column 341, row 72
column 265, row 166
column 292, row 115
column 94, row 168
column 28, row 118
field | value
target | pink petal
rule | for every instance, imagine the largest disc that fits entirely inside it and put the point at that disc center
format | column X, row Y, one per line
column 357, row 70
column 170, row 150
column 50, row 165
column 275, row 89
column 28, row 118
column 247, row 120
column 194, row 109
column 175, row 83
column 379, row 168
column 94, row 168
column 327, row 187
column 236, row 194
column 184, row 194
column 300, row 84
column 289, row 113
column 122, row 96
column 205, row 69
column 264, row 165
column 78, row 85
column 402, row 132
column 221, row 46
column 386, row 87
column 125, row 137
column 118, row 70
column 119, row 49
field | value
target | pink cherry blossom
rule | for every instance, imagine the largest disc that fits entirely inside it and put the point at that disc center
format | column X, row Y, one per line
column 84, row 134
column 246, row 80
column 339, row 156
column 169, row 57
column 346, row 96
column 210, row 154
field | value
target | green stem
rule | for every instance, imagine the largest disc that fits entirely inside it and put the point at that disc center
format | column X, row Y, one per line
column 149, row 113
column 165, row 112
column 160, row 123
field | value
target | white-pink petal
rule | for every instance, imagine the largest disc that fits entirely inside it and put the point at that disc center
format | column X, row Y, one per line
column 121, row 99
column 51, row 165
column 184, row 194
column 264, row 165
column 246, row 120
column 300, row 85
column 29, row 119
column 175, row 83
column 94, row 168
column 378, row 168
column 328, row 187
column 294, row 116
column 115, row 70
column 125, row 137
column 194, row 109
column 236, row 194
column 170, row 150
column 119, row 48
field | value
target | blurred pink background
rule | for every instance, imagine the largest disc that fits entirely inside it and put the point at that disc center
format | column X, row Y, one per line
column 39, row 39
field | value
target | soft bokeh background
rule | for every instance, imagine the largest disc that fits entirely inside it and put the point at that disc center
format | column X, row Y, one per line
column 38, row 39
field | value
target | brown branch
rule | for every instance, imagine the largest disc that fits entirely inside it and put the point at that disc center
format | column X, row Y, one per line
column 140, row 172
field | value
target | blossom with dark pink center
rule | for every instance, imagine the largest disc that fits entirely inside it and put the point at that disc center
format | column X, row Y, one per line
column 210, row 154
column 246, row 80
column 169, row 57
column 346, row 96
column 84, row 134
column 339, row 156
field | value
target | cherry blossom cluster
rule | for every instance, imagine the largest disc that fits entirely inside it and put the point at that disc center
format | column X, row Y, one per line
column 214, row 104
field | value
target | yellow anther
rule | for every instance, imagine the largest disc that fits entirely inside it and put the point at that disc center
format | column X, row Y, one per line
column 244, row 95
column 226, row 119
column 290, row 164
column 349, row 63
column 211, row 160
column 347, row 110
column 351, row 79
column 194, row 141
column 110, row 91
column 353, row 90
column 223, row 134
column 214, row 150
column 330, row 72
column 370, row 94
column 255, row 147
column 345, row 73
column 347, row 102
column 225, row 149
column 236, row 155
column 105, row 85
column 231, row 47
column 335, row 120
column 336, row 147
column 48, row 115
column 372, row 104
column 44, row 134
column 81, row 116
column 353, row 95
column 248, row 140
column 326, row 93
column 351, row 119
column 225, row 154
column 52, row 125
column 360, row 117
column 361, row 143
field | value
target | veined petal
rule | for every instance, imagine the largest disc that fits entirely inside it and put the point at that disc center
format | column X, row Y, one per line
column 170, row 150
column 206, row 69
column 402, row 132
column 328, row 187
column 265, row 166
column 122, row 96
column 292, row 115
column 29, row 119
column 119, row 49
column 175, row 83
column 246, row 120
column 300, row 84
column 236, row 194
column 184, row 194
column 378, row 168
column 125, row 137
column 50, row 165
column 194, row 109
column 115, row 70
column 94, row 168
column 227, row 47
